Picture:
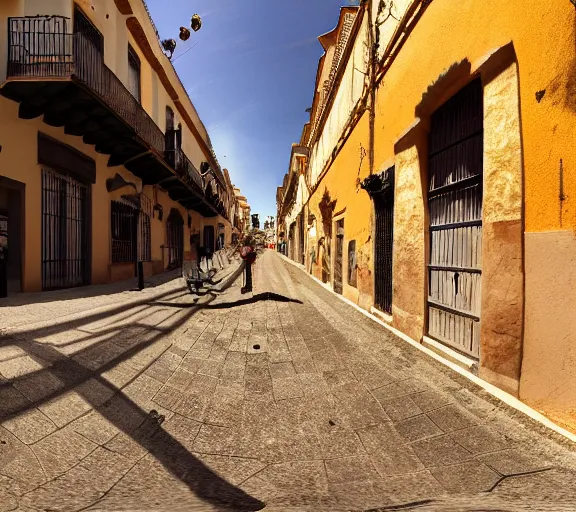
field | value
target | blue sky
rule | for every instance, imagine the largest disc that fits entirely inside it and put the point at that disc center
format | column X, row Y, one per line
column 251, row 77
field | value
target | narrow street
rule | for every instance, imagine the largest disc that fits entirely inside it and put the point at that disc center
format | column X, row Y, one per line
column 287, row 399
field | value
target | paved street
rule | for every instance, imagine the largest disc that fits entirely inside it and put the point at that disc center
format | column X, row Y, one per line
column 287, row 399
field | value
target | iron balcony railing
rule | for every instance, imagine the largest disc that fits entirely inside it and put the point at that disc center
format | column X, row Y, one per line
column 178, row 160
column 45, row 47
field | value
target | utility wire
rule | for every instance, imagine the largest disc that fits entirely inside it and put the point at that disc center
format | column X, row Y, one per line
column 184, row 53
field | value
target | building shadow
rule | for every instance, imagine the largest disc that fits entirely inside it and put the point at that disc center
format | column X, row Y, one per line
column 227, row 305
column 114, row 405
column 129, row 285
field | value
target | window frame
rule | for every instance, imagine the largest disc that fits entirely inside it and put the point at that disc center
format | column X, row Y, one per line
column 135, row 64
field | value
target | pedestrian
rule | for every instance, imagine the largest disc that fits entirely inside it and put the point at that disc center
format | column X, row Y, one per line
column 248, row 254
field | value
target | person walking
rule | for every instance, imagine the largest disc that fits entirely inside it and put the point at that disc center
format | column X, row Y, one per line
column 248, row 254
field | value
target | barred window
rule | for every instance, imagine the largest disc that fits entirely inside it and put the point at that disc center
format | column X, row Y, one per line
column 124, row 233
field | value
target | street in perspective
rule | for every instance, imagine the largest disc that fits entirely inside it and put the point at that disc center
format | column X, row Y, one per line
column 301, row 257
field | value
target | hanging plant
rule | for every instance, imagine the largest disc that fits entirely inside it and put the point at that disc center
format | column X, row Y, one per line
column 196, row 22
column 184, row 34
column 169, row 45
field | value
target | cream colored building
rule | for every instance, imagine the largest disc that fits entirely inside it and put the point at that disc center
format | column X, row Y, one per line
column 104, row 160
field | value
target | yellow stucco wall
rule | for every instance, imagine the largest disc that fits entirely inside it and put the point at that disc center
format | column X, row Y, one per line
column 341, row 182
column 530, row 127
column 547, row 62
column 22, row 165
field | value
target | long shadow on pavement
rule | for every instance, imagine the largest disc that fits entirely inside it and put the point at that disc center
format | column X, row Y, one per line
column 124, row 414
column 226, row 305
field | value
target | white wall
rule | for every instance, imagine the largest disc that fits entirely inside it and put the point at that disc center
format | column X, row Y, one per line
column 347, row 97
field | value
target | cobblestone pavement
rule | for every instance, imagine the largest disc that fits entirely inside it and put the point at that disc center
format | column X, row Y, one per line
column 286, row 399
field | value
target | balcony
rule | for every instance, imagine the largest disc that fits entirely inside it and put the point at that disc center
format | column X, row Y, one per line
column 59, row 73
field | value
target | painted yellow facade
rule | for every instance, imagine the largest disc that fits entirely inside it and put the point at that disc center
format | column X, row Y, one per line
column 123, row 24
column 424, row 54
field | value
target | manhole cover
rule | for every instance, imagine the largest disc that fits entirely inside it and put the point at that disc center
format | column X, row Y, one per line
column 256, row 347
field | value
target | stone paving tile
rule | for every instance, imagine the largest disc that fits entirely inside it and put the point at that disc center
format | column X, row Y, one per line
column 95, row 392
column 336, row 441
column 452, row 417
column 61, row 450
column 371, row 374
column 189, row 364
column 164, row 367
column 430, row 400
column 38, row 385
column 413, row 488
column 30, row 426
column 327, row 360
column 304, row 365
column 257, row 380
column 479, row 440
column 142, row 389
column 288, row 387
column 399, row 389
column 226, row 406
column 11, row 400
column 23, row 468
column 400, row 408
column 289, row 476
column 361, row 495
column 350, row 469
column 470, row 477
column 95, row 427
column 212, row 367
column 183, row 429
column 440, row 450
column 357, row 407
column 389, row 453
column 417, row 427
column 339, row 378
column 99, row 355
column 24, row 365
column 65, row 408
column 512, row 462
column 120, row 375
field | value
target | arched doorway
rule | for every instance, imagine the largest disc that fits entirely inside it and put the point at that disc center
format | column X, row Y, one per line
column 175, row 239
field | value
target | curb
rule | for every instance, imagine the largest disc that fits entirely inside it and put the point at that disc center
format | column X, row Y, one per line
column 496, row 392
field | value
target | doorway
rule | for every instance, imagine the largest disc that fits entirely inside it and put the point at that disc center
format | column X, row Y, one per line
column 455, row 207
column 11, row 232
column 383, row 246
column 339, row 256
column 64, row 231
column 209, row 238
column 175, row 239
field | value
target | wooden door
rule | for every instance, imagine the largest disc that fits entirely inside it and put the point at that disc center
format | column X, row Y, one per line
column 339, row 256
column 455, row 208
